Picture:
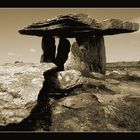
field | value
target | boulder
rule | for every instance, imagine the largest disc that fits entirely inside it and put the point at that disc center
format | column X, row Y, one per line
column 66, row 81
column 97, row 75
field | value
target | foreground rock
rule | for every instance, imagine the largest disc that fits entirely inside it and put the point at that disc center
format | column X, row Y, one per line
column 67, row 100
column 20, row 85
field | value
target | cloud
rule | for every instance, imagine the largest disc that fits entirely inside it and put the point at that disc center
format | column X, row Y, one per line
column 135, row 42
column 136, row 19
column 10, row 54
column 32, row 50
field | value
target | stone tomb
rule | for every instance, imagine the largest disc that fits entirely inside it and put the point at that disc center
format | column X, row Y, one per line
column 88, row 52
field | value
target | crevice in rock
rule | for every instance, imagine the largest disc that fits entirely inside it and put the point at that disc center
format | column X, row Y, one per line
column 40, row 117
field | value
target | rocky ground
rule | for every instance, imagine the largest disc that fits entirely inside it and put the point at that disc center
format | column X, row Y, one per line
column 36, row 97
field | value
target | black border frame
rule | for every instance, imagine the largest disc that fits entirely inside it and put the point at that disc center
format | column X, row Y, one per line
column 69, row 4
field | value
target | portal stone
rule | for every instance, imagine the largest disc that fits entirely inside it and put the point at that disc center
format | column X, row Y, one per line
column 101, row 54
column 62, row 52
column 49, row 48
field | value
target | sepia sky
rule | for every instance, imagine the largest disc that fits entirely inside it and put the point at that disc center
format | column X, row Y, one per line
column 17, row 47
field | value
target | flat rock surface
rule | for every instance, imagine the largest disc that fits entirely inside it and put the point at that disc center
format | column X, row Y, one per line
column 20, row 85
column 75, row 24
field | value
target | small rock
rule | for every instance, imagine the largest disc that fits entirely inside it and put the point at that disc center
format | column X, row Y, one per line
column 113, row 81
column 68, row 79
column 135, row 74
column 97, row 75
column 78, row 101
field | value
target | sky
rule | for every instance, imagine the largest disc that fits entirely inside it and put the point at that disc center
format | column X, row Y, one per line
column 17, row 47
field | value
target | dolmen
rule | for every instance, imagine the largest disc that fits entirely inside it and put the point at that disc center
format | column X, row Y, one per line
column 88, row 52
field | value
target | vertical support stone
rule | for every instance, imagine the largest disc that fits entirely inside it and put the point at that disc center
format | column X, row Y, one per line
column 99, row 43
column 62, row 52
column 90, row 52
column 49, row 48
column 87, row 55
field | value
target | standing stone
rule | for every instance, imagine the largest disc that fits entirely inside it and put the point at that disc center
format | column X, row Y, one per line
column 62, row 52
column 99, row 44
column 87, row 55
column 49, row 48
column 75, row 59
